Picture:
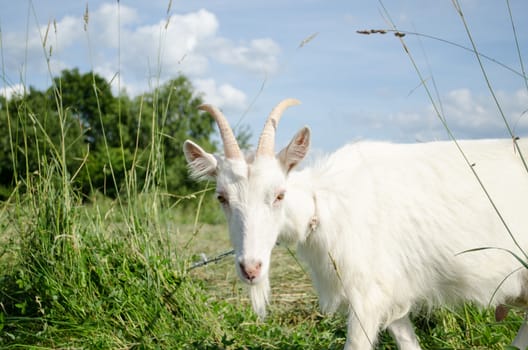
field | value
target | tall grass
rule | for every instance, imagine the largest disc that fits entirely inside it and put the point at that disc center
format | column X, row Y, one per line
column 104, row 275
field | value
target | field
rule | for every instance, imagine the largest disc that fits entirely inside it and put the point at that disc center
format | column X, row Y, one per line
column 109, row 275
column 92, row 271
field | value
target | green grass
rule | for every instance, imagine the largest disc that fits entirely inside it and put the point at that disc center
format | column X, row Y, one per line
column 90, row 276
column 103, row 279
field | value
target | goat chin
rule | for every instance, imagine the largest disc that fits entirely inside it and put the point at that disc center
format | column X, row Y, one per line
column 260, row 295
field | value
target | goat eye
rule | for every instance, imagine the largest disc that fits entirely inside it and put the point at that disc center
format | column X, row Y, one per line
column 279, row 197
column 221, row 199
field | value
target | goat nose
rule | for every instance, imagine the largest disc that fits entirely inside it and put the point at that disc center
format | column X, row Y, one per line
column 250, row 270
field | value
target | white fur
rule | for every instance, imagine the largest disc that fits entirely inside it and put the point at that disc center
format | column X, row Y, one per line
column 393, row 224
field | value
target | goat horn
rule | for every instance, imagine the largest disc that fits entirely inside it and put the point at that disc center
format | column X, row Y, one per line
column 231, row 148
column 266, row 143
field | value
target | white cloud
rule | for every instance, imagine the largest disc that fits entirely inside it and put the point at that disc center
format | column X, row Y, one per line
column 172, row 45
column 468, row 116
column 64, row 33
column 259, row 55
column 118, row 43
column 466, row 111
column 9, row 91
column 223, row 96
column 519, row 112
column 479, row 114
column 184, row 43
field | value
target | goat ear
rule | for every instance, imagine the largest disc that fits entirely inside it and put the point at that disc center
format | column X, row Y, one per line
column 296, row 150
column 201, row 164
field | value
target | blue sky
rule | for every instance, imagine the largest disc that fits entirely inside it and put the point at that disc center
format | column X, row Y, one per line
column 245, row 56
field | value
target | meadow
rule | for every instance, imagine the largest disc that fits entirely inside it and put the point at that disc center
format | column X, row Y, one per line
column 119, row 272
column 117, row 276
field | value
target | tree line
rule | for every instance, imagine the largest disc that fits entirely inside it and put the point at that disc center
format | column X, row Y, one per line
column 102, row 141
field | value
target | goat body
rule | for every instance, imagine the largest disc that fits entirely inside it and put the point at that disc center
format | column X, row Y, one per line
column 397, row 222
column 385, row 228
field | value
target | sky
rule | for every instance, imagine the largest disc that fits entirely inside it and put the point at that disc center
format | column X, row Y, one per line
column 246, row 56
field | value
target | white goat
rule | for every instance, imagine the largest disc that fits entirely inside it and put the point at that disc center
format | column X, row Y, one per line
column 385, row 228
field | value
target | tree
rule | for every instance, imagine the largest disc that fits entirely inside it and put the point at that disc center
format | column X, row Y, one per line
column 88, row 97
column 34, row 129
column 109, row 142
column 170, row 116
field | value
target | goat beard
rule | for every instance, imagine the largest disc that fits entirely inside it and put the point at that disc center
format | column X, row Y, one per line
column 260, row 295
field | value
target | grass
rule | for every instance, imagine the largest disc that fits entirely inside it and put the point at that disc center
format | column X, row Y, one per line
column 105, row 280
column 114, row 274
column 100, row 285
